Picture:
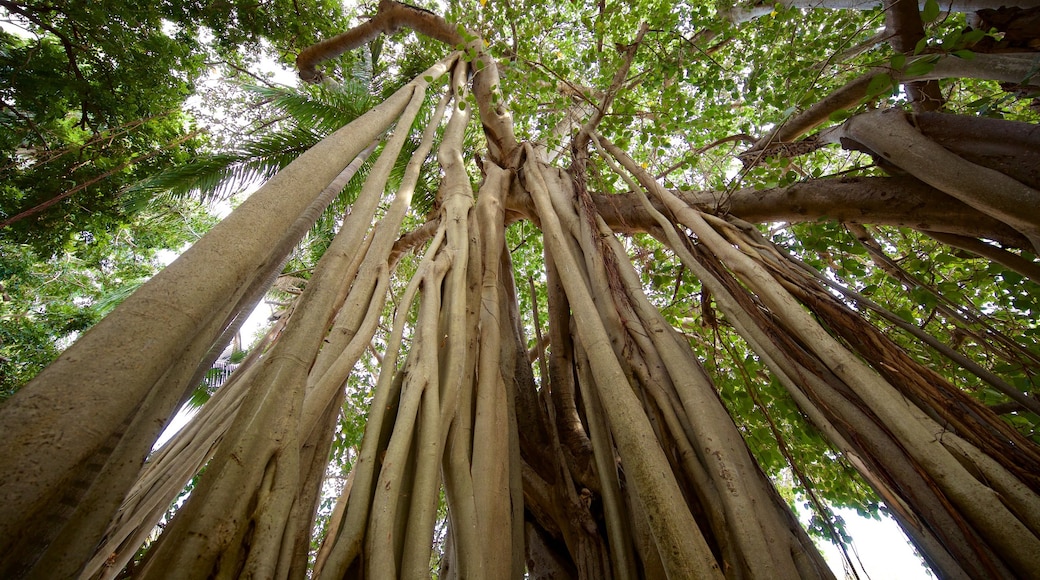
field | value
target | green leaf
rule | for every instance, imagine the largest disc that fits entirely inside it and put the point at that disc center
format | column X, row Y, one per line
column 898, row 61
column 838, row 116
column 919, row 67
column 930, row 12
column 920, row 46
column 879, row 84
column 972, row 36
column 965, row 54
column 951, row 39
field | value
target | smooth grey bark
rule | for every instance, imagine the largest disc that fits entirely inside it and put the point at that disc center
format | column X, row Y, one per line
column 945, row 5
column 741, row 14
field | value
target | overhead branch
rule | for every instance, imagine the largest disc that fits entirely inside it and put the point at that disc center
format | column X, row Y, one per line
column 1005, row 68
column 390, row 17
column 945, row 5
column 892, row 201
column 1010, row 147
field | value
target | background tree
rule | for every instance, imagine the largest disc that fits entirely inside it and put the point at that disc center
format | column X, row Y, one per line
column 91, row 105
column 618, row 407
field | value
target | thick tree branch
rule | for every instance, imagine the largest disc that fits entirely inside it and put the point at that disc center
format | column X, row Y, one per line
column 945, row 5
column 1010, row 147
column 892, row 201
column 392, row 16
column 892, row 138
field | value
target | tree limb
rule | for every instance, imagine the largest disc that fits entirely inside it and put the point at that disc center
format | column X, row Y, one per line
column 889, row 134
column 390, row 18
column 1008, row 68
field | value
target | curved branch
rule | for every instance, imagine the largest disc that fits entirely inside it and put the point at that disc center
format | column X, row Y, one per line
column 390, row 17
column 1010, row 147
column 1007, row 68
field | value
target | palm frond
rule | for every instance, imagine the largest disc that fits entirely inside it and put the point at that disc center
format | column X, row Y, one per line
column 214, row 176
column 310, row 114
column 220, row 175
column 109, row 301
column 321, row 108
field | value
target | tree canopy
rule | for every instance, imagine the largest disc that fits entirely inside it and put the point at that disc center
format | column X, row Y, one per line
column 588, row 290
column 92, row 105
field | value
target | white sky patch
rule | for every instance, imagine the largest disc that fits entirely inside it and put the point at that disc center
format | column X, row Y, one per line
column 883, row 548
column 178, row 422
column 258, row 321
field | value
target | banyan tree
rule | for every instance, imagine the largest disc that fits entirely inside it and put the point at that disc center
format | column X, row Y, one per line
column 581, row 361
